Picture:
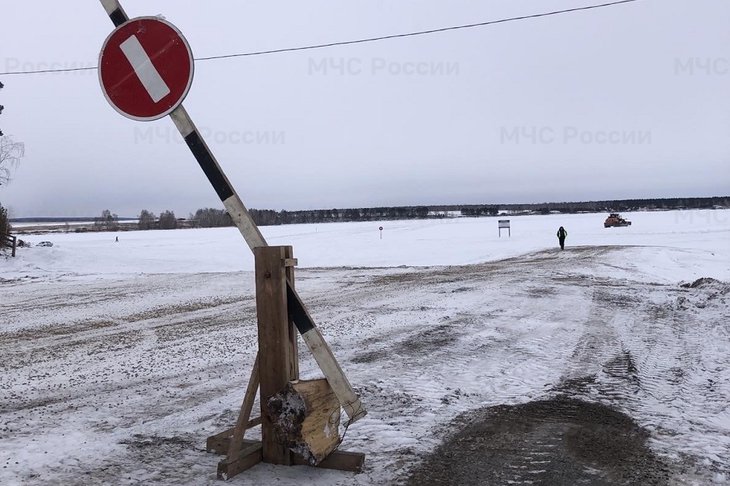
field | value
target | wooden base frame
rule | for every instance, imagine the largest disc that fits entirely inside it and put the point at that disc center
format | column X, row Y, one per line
column 251, row 454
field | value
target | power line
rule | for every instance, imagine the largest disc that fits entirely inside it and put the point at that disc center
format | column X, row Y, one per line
column 412, row 34
column 356, row 41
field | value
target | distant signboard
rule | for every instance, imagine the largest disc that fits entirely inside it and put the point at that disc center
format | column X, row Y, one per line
column 504, row 223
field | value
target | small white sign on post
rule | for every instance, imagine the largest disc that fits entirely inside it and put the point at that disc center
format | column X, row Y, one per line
column 504, row 223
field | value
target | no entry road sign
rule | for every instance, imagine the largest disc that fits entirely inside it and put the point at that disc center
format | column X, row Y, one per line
column 145, row 68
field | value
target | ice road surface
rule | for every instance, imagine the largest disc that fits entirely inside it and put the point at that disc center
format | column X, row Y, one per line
column 119, row 359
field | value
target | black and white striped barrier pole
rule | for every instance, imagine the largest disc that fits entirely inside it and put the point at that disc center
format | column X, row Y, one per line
column 245, row 224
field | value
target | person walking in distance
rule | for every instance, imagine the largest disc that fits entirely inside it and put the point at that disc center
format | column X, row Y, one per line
column 561, row 237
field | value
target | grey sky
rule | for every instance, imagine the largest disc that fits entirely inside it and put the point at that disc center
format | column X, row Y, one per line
column 627, row 101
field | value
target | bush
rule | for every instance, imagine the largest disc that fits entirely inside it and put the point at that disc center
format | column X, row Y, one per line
column 4, row 225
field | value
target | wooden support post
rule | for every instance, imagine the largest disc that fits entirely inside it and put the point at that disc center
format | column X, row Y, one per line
column 275, row 349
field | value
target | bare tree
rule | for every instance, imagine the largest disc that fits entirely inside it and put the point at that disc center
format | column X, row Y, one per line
column 146, row 220
column 10, row 154
column 168, row 220
column 108, row 222
column 211, row 218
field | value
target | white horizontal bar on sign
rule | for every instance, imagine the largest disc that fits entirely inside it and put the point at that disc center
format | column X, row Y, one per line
column 145, row 70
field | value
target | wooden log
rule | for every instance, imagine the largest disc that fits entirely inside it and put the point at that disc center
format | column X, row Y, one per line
column 306, row 418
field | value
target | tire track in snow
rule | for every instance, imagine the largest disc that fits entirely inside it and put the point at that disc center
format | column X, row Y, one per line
column 683, row 364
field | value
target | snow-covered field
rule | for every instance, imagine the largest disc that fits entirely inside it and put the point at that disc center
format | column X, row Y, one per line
column 701, row 234
column 119, row 358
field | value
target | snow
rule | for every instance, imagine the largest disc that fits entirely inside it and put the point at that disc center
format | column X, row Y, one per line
column 701, row 240
column 119, row 359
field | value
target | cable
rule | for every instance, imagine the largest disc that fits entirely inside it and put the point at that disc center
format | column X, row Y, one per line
column 356, row 41
column 42, row 71
column 412, row 34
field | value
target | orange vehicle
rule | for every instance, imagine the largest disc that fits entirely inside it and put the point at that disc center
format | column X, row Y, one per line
column 615, row 219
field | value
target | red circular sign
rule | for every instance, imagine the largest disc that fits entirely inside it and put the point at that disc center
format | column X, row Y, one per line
column 145, row 68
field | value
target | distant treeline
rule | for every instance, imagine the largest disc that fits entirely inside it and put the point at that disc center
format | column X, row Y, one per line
column 211, row 217
column 268, row 217
column 618, row 205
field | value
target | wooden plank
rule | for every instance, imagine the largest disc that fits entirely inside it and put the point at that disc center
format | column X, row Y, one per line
column 220, row 442
column 222, row 435
column 243, row 417
column 339, row 460
column 253, row 423
column 221, row 445
column 216, row 446
column 242, row 219
column 246, row 459
column 274, row 348
column 114, row 9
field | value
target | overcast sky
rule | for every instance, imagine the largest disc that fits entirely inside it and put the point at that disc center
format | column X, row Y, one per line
column 621, row 102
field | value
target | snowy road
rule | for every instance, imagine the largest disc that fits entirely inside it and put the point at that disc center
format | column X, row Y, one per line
column 120, row 380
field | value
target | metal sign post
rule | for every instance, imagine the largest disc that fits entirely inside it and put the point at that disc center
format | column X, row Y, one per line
column 145, row 70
